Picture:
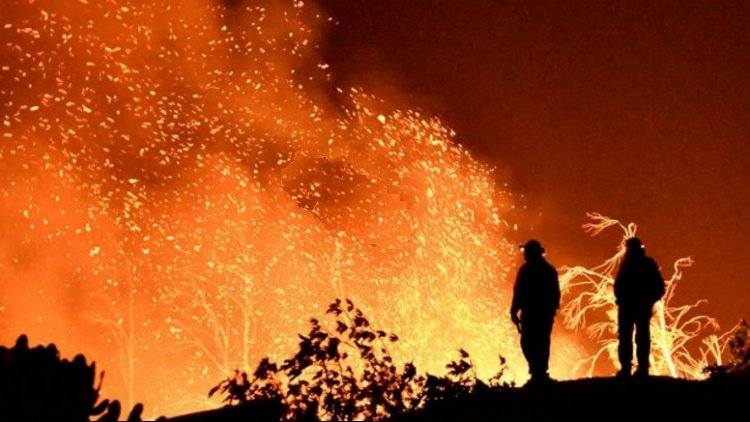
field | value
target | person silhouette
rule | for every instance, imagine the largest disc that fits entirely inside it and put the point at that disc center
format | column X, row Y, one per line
column 536, row 294
column 638, row 286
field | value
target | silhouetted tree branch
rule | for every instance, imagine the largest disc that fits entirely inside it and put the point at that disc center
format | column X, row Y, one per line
column 347, row 372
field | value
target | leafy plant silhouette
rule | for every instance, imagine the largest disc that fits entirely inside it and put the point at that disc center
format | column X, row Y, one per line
column 349, row 373
column 36, row 383
column 737, row 342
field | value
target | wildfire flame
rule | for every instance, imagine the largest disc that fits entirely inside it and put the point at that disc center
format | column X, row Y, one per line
column 181, row 192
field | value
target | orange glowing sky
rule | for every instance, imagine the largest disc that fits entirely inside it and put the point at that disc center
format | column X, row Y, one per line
column 637, row 109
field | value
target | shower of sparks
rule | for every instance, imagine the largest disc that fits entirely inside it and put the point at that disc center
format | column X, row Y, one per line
column 180, row 193
column 674, row 329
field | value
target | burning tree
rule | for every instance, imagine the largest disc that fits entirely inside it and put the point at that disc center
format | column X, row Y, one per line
column 675, row 328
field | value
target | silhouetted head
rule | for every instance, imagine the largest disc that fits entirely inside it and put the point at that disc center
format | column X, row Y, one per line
column 532, row 249
column 634, row 246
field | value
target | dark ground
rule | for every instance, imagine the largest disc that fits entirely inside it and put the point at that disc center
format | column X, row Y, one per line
column 589, row 399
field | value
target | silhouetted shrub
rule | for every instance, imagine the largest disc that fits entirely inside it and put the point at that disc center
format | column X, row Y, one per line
column 739, row 350
column 35, row 384
column 348, row 373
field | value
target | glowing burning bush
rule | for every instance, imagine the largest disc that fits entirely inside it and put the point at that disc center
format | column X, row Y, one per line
column 737, row 343
column 590, row 304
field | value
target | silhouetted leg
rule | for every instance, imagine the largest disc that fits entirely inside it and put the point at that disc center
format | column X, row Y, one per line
column 544, row 347
column 535, row 343
column 527, row 346
column 535, row 364
column 643, row 341
column 625, row 338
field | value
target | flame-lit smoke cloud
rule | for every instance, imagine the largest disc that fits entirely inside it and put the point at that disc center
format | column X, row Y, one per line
column 181, row 190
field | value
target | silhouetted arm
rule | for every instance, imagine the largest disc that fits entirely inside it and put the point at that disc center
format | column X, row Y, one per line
column 556, row 290
column 518, row 292
column 619, row 282
column 658, row 281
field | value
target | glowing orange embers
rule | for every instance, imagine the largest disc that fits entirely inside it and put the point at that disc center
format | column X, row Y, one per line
column 179, row 198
